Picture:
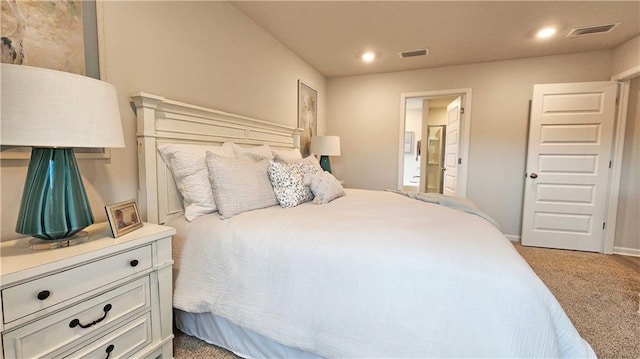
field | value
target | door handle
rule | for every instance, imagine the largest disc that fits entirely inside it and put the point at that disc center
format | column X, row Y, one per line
column 533, row 175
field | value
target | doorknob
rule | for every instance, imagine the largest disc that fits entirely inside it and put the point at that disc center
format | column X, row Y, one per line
column 533, row 175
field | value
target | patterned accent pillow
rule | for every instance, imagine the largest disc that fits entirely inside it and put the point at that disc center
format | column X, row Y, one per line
column 239, row 184
column 287, row 181
column 324, row 187
column 310, row 160
column 187, row 164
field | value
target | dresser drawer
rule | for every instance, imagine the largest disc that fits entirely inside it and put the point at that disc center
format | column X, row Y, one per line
column 42, row 293
column 121, row 343
column 56, row 331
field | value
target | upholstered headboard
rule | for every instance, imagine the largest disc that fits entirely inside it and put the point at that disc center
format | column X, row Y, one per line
column 161, row 120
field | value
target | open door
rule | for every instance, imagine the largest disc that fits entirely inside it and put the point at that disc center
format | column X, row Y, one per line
column 568, row 164
column 452, row 148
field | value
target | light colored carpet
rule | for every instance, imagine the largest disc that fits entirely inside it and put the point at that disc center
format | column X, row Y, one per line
column 185, row 346
column 597, row 292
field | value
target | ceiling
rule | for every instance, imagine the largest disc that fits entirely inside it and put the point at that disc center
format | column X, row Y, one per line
column 332, row 35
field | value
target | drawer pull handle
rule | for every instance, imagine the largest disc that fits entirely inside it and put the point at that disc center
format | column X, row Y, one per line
column 76, row 322
column 44, row 295
column 134, row 263
column 109, row 350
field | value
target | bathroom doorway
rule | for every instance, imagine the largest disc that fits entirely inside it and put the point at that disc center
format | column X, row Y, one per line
column 434, row 142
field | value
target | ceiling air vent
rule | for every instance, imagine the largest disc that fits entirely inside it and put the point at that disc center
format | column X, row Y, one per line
column 591, row 30
column 414, row 53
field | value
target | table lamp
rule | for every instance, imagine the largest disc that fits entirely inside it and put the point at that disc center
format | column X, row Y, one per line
column 325, row 146
column 53, row 112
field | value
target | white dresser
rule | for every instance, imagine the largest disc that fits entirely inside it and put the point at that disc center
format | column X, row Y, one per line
column 105, row 298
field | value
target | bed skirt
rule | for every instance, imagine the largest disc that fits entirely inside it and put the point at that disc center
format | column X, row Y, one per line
column 242, row 342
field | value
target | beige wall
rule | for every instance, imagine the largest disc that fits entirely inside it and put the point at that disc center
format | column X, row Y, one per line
column 626, row 56
column 437, row 116
column 368, row 107
column 627, row 224
column 207, row 53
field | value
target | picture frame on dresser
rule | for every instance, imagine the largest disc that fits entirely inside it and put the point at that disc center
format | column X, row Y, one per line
column 123, row 217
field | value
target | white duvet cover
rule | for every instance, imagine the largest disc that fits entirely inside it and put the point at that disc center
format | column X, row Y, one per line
column 372, row 274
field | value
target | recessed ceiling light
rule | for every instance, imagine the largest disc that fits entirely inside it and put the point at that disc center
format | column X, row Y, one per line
column 545, row 33
column 368, row 56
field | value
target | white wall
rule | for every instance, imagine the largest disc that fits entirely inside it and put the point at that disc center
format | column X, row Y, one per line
column 365, row 109
column 412, row 123
column 202, row 52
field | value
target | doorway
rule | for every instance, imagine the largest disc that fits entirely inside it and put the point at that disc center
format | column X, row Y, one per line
column 569, row 165
column 434, row 137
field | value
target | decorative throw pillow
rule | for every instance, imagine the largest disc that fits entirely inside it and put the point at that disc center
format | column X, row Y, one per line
column 239, row 184
column 262, row 152
column 187, row 164
column 310, row 160
column 324, row 187
column 287, row 180
column 286, row 155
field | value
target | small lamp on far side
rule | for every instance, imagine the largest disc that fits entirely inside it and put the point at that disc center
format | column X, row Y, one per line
column 53, row 112
column 325, row 146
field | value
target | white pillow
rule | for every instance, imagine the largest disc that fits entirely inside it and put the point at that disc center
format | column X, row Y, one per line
column 324, row 187
column 239, row 184
column 286, row 155
column 263, row 152
column 288, row 185
column 189, row 169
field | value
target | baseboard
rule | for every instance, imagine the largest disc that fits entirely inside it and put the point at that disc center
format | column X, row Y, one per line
column 513, row 237
column 623, row 251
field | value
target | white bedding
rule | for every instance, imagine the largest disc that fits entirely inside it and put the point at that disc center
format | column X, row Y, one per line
column 371, row 274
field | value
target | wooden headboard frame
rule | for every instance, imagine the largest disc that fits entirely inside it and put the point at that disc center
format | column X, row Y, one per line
column 161, row 120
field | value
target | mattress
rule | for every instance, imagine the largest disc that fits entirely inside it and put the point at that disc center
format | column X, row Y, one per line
column 371, row 274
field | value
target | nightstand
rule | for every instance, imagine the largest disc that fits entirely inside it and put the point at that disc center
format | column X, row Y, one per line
column 102, row 298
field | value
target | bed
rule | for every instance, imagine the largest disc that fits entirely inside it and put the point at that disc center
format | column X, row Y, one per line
column 366, row 274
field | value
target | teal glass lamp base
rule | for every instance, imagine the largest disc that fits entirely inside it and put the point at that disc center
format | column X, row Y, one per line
column 325, row 164
column 54, row 202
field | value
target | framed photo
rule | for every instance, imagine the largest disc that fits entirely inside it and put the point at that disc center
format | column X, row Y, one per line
column 307, row 115
column 408, row 142
column 123, row 217
column 58, row 35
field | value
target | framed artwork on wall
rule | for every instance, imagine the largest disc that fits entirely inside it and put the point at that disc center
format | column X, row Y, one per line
column 307, row 115
column 58, row 35
column 408, row 142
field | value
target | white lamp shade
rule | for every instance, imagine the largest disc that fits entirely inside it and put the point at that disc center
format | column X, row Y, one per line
column 47, row 108
column 325, row 145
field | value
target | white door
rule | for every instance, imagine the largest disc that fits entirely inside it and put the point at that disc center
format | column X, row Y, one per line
column 570, row 137
column 452, row 148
